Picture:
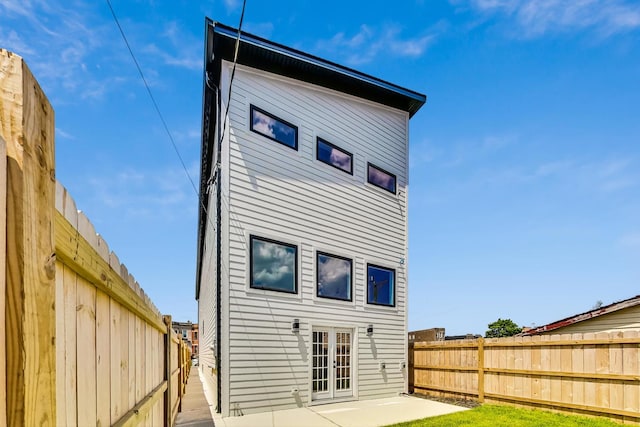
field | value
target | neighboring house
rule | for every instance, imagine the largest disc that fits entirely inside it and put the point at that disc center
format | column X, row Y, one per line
column 617, row 317
column 183, row 330
column 194, row 340
column 302, row 241
column 433, row 334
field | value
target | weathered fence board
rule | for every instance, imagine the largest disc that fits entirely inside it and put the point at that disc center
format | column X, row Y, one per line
column 591, row 373
column 27, row 127
column 3, row 279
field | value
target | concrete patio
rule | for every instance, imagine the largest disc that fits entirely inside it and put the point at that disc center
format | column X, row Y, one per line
column 364, row 413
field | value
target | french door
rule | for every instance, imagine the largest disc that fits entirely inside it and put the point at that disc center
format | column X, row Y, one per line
column 331, row 369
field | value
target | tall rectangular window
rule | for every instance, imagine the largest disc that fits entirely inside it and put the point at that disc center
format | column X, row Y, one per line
column 274, row 265
column 381, row 287
column 333, row 276
column 270, row 126
column 328, row 153
column 381, row 178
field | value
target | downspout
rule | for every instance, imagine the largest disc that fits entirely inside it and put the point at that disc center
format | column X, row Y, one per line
column 218, row 255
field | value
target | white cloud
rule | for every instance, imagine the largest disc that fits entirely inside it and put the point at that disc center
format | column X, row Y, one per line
column 263, row 124
column 369, row 43
column 339, row 158
column 535, row 18
column 333, row 270
column 630, row 240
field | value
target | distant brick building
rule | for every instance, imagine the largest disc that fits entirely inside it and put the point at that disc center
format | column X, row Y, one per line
column 188, row 332
column 194, row 340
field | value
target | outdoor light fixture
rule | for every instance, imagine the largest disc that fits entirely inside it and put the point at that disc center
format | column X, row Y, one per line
column 369, row 330
column 295, row 326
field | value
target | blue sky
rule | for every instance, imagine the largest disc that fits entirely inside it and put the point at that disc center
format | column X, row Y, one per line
column 525, row 161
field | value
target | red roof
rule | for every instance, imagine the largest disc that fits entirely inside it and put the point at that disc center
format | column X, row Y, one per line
column 584, row 316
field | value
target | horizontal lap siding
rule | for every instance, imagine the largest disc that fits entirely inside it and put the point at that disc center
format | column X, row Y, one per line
column 276, row 192
column 207, row 301
column 627, row 319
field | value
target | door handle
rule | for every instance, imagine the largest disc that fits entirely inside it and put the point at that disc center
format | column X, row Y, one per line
column 334, row 364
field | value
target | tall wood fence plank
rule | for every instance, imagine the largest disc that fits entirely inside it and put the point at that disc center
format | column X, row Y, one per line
column 86, row 353
column 3, row 279
column 70, row 347
column 103, row 359
column 27, row 127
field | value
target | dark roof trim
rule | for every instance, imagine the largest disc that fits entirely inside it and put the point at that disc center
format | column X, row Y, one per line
column 596, row 312
column 283, row 60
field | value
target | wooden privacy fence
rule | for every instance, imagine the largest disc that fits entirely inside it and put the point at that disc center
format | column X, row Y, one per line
column 589, row 373
column 83, row 344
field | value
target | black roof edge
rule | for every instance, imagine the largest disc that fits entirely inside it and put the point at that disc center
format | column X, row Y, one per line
column 360, row 83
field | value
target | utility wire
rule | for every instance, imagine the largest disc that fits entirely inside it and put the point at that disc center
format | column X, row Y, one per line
column 233, row 71
column 153, row 100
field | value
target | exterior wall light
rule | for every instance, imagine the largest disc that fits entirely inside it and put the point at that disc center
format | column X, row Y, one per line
column 369, row 330
column 295, row 326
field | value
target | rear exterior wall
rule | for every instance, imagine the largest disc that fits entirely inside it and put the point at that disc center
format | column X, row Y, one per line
column 272, row 191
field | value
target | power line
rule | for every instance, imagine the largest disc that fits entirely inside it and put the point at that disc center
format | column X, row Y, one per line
column 233, row 70
column 153, row 100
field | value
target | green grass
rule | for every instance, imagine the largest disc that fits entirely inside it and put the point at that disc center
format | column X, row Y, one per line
column 507, row 416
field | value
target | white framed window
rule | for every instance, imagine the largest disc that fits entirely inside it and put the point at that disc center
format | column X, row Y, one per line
column 381, row 285
column 273, row 265
column 381, row 178
column 274, row 128
column 334, row 276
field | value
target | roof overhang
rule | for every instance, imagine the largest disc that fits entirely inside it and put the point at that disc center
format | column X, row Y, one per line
column 262, row 54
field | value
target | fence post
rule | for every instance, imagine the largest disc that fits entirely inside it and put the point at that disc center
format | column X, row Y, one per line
column 410, row 380
column 180, row 375
column 168, row 406
column 480, row 369
column 27, row 126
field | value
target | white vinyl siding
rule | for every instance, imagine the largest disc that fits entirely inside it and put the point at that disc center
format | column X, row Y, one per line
column 290, row 196
column 207, row 301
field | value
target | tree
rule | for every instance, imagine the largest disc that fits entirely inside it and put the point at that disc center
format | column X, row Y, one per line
column 502, row 328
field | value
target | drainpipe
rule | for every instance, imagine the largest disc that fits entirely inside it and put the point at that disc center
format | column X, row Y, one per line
column 218, row 170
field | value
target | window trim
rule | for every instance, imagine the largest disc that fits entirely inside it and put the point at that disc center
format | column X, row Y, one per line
column 324, row 141
column 253, row 108
column 318, row 253
column 395, row 178
column 253, row 237
column 393, row 270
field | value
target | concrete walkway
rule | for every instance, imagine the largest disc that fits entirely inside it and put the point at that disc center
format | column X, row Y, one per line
column 196, row 412
column 363, row 413
column 195, row 408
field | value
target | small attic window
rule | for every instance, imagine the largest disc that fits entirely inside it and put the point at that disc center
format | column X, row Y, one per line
column 334, row 156
column 381, row 178
column 276, row 129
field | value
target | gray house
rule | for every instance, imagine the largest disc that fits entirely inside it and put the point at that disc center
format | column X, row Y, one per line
column 302, row 240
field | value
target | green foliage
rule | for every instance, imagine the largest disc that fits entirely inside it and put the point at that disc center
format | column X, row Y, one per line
column 507, row 416
column 502, row 328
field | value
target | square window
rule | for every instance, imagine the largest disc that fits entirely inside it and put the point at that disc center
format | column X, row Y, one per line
column 334, row 156
column 381, row 285
column 274, row 265
column 333, row 276
column 381, row 178
column 274, row 128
